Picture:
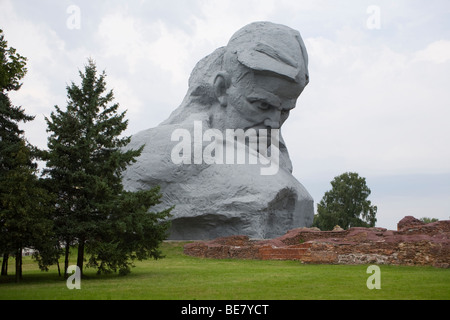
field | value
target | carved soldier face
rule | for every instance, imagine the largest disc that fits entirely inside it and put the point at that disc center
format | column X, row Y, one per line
column 259, row 101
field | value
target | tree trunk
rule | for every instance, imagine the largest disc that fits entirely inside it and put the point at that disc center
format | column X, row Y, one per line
column 59, row 270
column 80, row 260
column 57, row 247
column 66, row 259
column 5, row 264
column 19, row 264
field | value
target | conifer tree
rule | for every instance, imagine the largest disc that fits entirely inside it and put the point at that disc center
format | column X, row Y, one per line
column 12, row 70
column 24, row 215
column 25, row 208
column 85, row 160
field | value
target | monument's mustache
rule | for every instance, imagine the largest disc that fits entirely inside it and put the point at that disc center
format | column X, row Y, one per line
column 235, row 147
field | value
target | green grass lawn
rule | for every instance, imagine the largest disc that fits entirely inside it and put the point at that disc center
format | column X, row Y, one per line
column 182, row 277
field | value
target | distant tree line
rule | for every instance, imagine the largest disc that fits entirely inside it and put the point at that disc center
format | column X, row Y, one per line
column 428, row 220
column 78, row 199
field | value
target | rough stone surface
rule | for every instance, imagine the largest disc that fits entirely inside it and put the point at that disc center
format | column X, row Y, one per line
column 414, row 243
column 408, row 222
column 252, row 83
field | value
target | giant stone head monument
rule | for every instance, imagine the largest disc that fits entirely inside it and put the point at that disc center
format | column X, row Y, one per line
column 220, row 158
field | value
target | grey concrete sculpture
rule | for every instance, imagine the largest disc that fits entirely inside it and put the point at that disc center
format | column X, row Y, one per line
column 219, row 157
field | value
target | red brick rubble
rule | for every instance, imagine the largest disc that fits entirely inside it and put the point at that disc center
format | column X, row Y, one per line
column 414, row 243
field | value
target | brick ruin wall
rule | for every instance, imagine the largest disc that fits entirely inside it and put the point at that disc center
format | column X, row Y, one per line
column 414, row 243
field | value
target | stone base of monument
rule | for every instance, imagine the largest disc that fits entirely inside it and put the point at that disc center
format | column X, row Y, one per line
column 414, row 243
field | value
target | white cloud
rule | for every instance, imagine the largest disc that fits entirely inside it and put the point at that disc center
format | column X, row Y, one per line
column 220, row 19
column 170, row 52
column 370, row 108
column 437, row 52
column 119, row 35
column 145, row 64
column 43, row 49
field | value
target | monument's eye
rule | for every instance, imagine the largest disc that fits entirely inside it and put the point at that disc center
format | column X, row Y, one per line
column 263, row 105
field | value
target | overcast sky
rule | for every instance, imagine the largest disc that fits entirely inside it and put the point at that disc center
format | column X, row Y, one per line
column 378, row 102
